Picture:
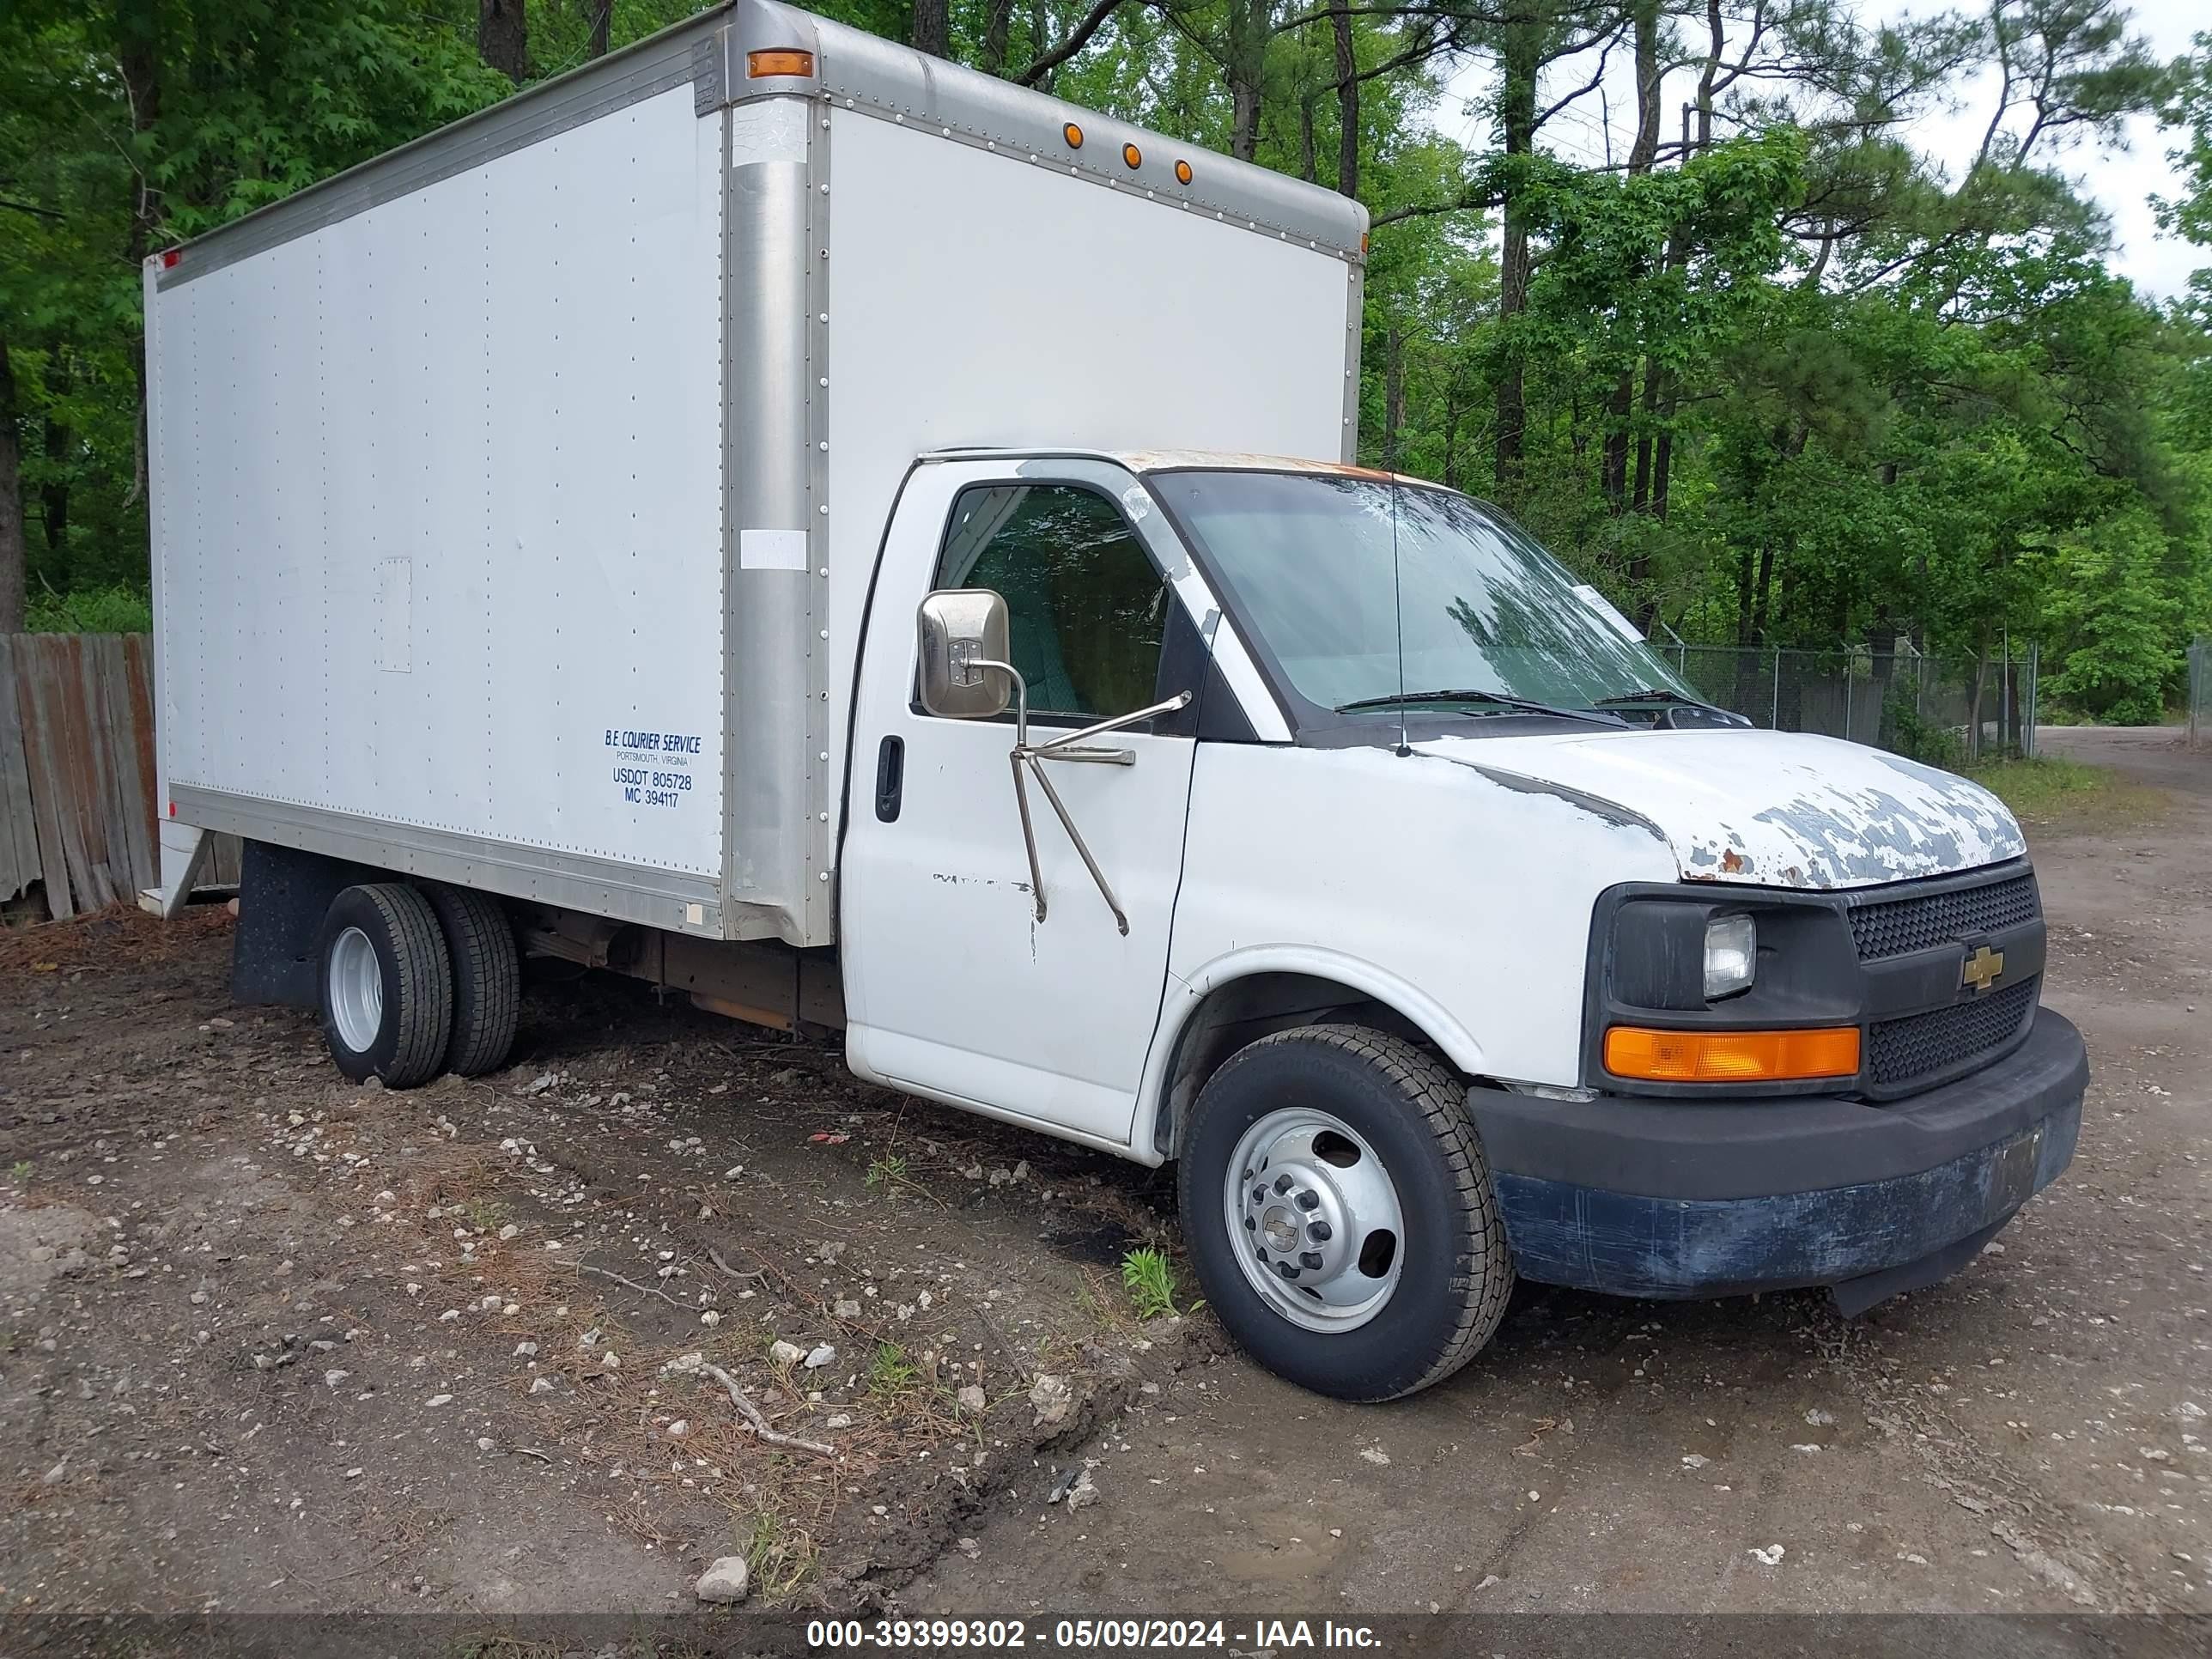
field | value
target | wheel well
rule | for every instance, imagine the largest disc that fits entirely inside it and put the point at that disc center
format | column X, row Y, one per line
column 1241, row 1012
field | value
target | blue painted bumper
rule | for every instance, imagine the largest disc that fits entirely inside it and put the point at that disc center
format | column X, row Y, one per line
column 1680, row 1199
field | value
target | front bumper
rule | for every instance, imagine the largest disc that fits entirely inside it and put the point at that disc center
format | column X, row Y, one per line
column 1673, row 1198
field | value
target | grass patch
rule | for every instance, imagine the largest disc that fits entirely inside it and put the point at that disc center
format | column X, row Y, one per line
column 2051, row 791
column 779, row 1556
column 1150, row 1281
column 892, row 1371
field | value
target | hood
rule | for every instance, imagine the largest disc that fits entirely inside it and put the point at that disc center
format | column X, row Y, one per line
column 1766, row 809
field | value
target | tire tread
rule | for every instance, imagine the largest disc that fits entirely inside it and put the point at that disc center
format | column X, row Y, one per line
column 425, row 1012
column 487, row 979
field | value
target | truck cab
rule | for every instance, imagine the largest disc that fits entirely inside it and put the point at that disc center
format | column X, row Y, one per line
column 1315, row 827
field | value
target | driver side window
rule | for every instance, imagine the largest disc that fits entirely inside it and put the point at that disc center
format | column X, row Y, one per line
column 1085, row 607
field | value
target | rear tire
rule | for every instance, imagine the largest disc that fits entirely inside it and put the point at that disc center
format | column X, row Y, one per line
column 1407, row 1275
column 487, row 979
column 386, row 985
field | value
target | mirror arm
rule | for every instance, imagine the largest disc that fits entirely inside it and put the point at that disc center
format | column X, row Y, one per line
column 1068, row 747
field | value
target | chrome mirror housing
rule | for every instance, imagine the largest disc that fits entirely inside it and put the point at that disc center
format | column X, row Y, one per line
column 963, row 634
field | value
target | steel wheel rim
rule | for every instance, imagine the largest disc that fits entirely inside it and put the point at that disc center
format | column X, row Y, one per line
column 1296, row 1167
column 356, row 990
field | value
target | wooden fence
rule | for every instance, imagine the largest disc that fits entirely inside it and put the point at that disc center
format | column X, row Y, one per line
column 77, row 773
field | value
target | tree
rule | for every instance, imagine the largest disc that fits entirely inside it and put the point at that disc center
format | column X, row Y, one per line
column 503, row 38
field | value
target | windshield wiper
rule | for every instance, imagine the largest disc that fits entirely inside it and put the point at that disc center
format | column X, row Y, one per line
column 1526, row 705
column 1653, row 694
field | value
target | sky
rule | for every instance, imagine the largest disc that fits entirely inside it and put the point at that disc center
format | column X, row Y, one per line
column 2121, row 178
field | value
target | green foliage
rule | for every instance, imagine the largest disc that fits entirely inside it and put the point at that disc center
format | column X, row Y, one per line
column 1150, row 1281
column 2111, row 605
column 1783, row 382
column 112, row 610
column 1910, row 734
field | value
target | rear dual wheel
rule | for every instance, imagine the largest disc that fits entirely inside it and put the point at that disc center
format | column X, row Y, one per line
column 1338, row 1207
column 415, row 983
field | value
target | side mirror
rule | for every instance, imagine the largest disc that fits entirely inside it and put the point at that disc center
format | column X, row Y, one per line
column 963, row 649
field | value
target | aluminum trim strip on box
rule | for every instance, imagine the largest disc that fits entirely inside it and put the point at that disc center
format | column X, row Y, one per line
column 879, row 77
column 655, row 898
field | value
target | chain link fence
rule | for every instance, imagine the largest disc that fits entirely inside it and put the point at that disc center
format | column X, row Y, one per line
column 1942, row 710
column 2200, row 692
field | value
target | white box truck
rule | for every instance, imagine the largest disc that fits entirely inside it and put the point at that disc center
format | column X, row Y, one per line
column 877, row 548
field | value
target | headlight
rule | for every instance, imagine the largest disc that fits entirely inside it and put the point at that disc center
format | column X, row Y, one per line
column 1731, row 955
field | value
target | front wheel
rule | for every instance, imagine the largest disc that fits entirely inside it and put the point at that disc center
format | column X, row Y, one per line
column 1338, row 1208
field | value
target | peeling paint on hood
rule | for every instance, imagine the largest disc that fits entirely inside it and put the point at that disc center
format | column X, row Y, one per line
column 1764, row 808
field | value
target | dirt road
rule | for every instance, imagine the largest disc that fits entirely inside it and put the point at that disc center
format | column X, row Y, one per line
column 270, row 1342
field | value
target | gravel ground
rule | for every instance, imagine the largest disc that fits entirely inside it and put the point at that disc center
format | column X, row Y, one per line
column 274, row 1342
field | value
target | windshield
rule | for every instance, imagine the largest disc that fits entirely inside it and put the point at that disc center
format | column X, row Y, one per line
column 1309, row 560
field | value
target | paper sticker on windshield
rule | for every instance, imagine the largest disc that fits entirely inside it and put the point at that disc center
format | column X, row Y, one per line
column 1597, row 602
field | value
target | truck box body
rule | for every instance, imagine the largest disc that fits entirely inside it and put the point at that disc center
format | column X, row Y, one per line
column 517, row 495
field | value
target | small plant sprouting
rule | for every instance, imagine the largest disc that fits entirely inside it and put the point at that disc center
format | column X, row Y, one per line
column 892, row 1371
column 888, row 1173
column 1149, row 1282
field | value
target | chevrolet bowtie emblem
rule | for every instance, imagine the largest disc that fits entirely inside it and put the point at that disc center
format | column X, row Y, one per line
column 1982, row 968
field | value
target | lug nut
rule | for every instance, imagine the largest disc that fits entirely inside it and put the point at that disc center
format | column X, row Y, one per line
column 1287, row 1270
column 1319, row 1231
column 1310, row 1258
column 1259, row 1194
column 1282, row 1183
column 1308, row 1201
column 1249, row 1224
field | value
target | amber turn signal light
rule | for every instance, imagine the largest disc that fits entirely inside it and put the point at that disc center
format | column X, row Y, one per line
column 1732, row 1056
column 778, row 60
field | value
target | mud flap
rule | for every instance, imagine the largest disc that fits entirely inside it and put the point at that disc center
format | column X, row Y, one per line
column 1854, row 1295
column 282, row 895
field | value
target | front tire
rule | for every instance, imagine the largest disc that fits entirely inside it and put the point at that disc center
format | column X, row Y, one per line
column 387, row 985
column 1338, row 1210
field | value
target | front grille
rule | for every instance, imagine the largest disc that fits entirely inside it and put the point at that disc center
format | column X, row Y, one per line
column 1898, row 926
column 1900, row 1052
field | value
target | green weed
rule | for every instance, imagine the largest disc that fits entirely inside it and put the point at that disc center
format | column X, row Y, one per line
column 1149, row 1282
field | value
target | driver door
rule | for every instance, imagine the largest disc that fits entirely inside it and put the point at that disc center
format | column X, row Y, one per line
column 954, row 986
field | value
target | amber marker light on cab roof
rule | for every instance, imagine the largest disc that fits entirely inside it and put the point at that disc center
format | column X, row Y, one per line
column 1073, row 134
column 1182, row 173
column 1134, row 156
column 1732, row 1056
column 778, row 60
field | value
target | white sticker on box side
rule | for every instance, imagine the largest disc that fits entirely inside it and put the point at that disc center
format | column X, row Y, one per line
column 772, row 549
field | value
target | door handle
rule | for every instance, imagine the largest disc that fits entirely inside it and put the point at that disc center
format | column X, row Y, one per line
column 890, row 777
